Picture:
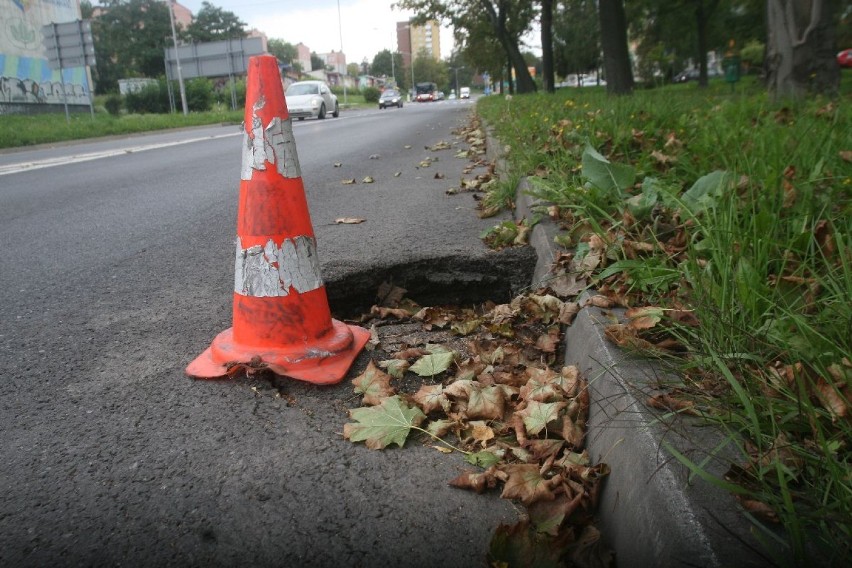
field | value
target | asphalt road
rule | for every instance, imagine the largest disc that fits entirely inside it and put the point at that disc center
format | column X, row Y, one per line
column 117, row 270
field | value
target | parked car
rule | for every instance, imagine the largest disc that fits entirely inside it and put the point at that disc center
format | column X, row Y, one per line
column 311, row 99
column 694, row 74
column 464, row 93
column 591, row 82
column 439, row 96
column 844, row 58
column 686, row 76
column 451, row 97
column 390, row 97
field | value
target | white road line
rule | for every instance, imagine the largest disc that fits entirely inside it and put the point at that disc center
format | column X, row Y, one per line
column 51, row 162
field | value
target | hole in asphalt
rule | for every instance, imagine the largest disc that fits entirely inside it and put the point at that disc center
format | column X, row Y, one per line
column 457, row 279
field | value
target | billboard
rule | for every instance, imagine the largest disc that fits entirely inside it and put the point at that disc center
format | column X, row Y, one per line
column 26, row 76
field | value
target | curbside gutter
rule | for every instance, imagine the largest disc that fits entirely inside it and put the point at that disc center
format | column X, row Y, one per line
column 651, row 512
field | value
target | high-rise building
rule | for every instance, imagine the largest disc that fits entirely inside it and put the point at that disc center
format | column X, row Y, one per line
column 412, row 39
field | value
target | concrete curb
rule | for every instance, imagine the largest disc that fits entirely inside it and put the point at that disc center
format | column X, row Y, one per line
column 651, row 512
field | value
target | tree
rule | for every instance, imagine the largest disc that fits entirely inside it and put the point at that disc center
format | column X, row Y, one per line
column 576, row 37
column 547, row 74
column 619, row 74
column 382, row 66
column 130, row 37
column 353, row 69
column 213, row 24
column 427, row 69
column 285, row 52
column 507, row 21
column 316, row 62
column 801, row 48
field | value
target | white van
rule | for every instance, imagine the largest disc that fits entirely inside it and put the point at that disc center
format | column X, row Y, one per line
column 464, row 93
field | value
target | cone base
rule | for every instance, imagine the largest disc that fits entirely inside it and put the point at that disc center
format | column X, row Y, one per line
column 323, row 363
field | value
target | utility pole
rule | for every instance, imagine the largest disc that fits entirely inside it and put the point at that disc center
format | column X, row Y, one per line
column 177, row 59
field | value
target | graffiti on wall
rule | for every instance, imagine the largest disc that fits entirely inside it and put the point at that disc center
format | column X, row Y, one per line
column 15, row 90
column 25, row 76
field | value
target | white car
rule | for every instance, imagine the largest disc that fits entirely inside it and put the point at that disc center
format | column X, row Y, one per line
column 311, row 99
column 464, row 93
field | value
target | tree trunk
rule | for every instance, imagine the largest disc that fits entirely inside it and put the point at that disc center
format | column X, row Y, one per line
column 509, row 80
column 525, row 83
column 801, row 48
column 547, row 74
column 701, row 27
column 619, row 74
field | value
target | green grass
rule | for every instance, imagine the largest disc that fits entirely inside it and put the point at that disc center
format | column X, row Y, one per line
column 760, row 255
column 20, row 131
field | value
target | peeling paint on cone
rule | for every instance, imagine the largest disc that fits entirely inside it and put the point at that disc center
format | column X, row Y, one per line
column 281, row 316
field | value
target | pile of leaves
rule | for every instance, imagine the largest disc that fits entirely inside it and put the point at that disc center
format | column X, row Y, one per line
column 494, row 393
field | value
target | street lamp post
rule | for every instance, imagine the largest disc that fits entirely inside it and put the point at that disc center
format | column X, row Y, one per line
column 340, row 29
column 177, row 58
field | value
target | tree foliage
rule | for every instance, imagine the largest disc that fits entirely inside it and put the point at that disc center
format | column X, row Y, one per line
column 498, row 22
column 285, row 51
column 214, row 24
column 428, row 69
column 576, row 37
column 384, row 66
column 130, row 37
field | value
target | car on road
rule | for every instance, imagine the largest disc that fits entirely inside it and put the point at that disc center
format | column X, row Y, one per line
column 844, row 58
column 464, row 93
column 389, row 98
column 439, row 96
column 309, row 99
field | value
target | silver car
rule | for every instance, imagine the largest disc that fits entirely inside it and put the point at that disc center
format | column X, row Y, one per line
column 311, row 99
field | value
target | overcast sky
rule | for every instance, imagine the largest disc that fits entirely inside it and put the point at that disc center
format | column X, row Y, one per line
column 367, row 26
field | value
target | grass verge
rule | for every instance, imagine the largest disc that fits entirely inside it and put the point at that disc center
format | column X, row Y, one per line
column 20, row 131
column 730, row 216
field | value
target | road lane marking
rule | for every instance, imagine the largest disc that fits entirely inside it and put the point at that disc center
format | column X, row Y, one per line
column 64, row 160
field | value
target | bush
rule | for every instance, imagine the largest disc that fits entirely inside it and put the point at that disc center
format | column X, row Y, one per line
column 222, row 93
column 751, row 55
column 151, row 99
column 371, row 94
column 113, row 104
column 199, row 95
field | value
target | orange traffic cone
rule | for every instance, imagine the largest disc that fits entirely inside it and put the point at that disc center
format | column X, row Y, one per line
column 282, row 320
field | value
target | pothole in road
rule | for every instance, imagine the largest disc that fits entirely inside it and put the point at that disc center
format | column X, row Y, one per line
column 456, row 279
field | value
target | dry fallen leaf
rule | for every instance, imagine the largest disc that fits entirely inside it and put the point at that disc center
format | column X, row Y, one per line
column 349, row 220
column 367, row 179
column 348, row 181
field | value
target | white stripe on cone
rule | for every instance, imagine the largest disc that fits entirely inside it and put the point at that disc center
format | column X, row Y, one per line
column 271, row 270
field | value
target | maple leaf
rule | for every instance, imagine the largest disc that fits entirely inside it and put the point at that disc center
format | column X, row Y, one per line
column 469, row 369
column 466, row 327
column 433, row 364
column 485, row 458
column 537, row 415
column 644, row 318
column 373, row 384
column 548, row 342
column 409, row 353
column 383, row 425
column 526, row 483
column 573, row 431
column 395, row 367
column 383, row 313
column 440, row 428
column 481, row 432
column 539, row 391
column 547, row 516
column 477, row 481
column 432, row 397
column 486, row 403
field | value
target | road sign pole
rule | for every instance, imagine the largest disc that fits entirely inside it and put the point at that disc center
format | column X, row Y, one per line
column 61, row 75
